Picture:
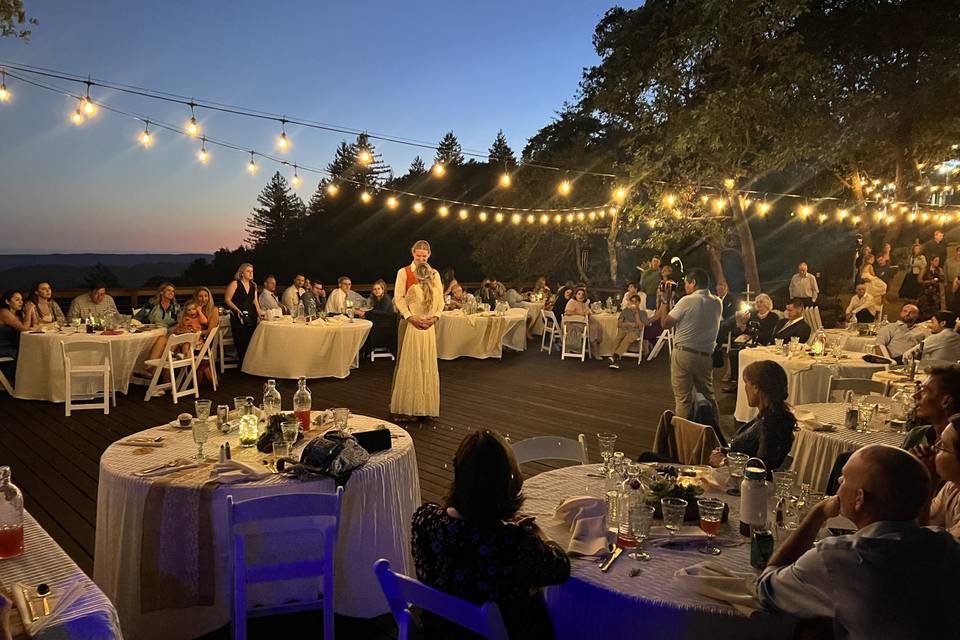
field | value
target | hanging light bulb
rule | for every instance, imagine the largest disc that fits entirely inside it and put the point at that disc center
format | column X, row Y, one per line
column 763, row 208
column 505, row 180
column 295, row 180
column 515, row 218
column 620, row 194
column 282, row 142
column 558, row 218
column 193, row 127
column 145, row 138
column 392, row 202
column 669, row 200
column 89, row 108
column 464, row 214
column 418, row 207
column 5, row 94
column 544, row 218
column 565, row 188
column 252, row 165
column 77, row 117
column 498, row 217
column 569, row 217
column 438, row 169
column 581, row 216
column 333, row 189
column 483, row 216
column 365, row 197
column 203, row 156
column 443, row 211
column 592, row 216
column 364, row 157
column 531, row 218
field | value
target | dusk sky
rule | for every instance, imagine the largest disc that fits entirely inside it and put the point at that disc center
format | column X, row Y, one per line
column 411, row 69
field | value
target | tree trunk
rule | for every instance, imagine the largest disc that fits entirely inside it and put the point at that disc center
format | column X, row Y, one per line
column 716, row 266
column 612, row 235
column 748, row 250
column 579, row 259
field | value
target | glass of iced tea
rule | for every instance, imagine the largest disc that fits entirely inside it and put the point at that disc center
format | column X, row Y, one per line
column 711, row 515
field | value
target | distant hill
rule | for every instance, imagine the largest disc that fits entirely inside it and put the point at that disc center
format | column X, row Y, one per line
column 66, row 270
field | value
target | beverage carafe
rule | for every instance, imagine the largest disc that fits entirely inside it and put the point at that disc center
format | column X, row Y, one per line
column 303, row 403
column 11, row 516
column 271, row 399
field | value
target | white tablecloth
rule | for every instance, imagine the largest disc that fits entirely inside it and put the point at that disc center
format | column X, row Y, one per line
column 814, row 452
column 40, row 363
column 852, row 341
column 534, row 319
column 654, row 604
column 480, row 335
column 608, row 327
column 90, row 616
column 322, row 349
column 378, row 503
column 807, row 379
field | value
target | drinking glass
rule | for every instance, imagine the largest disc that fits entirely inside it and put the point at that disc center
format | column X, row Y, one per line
column 280, row 450
column 778, row 342
column 340, row 418
column 711, row 513
column 736, row 462
column 865, row 413
column 783, row 480
column 607, row 442
column 240, row 404
column 223, row 418
column 641, row 517
column 674, row 510
column 203, row 409
column 290, row 430
column 200, row 435
column 618, row 464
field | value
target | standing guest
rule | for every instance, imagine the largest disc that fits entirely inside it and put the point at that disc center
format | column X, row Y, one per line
column 314, row 300
column 478, row 547
column 416, row 382
column 887, row 252
column 448, row 280
column 793, row 326
column 898, row 336
column 728, row 313
column 910, row 288
column 578, row 315
column 632, row 290
column 268, row 297
column 867, row 583
column 696, row 320
column 876, row 286
column 943, row 343
column 667, row 287
column 803, row 285
column 930, row 281
column 344, row 297
column 12, row 324
column 649, row 281
column 951, row 272
column 241, row 299
column 943, row 462
column 383, row 334
column 861, row 306
column 633, row 318
column 884, row 269
column 41, row 308
column 937, row 400
column 96, row 302
column 204, row 299
column 162, row 309
column 936, row 248
column 291, row 296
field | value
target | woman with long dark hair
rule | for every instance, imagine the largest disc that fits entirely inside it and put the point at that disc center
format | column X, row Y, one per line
column 477, row 546
column 930, row 281
column 41, row 308
column 910, row 288
column 241, row 299
column 12, row 324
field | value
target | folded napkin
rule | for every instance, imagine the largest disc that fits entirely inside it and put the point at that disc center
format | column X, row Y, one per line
column 140, row 442
column 176, row 465
column 586, row 517
column 233, row 471
column 688, row 534
column 714, row 581
column 59, row 601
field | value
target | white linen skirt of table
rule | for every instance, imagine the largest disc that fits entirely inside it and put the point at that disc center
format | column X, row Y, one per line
column 853, row 341
column 591, row 604
column 91, row 615
column 378, row 502
column 534, row 319
column 40, row 363
column 804, row 386
column 608, row 328
column 814, row 452
column 460, row 335
column 321, row 349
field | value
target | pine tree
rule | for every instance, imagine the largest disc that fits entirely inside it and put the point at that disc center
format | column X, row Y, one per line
column 343, row 160
column 449, row 151
column 318, row 199
column 500, row 152
column 347, row 169
column 279, row 217
column 417, row 167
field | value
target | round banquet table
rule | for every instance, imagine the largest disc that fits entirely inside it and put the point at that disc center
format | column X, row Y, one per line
column 608, row 327
column 807, row 378
column 322, row 349
column 814, row 452
column 652, row 605
column 534, row 319
column 40, row 373
column 184, row 592
column 480, row 335
column 852, row 341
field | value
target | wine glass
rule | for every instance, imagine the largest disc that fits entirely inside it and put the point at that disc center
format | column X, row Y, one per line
column 711, row 513
column 290, row 429
column 203, row 409
column 674, row 509
column 641, row 517
column 200, row 435
column 607, row 442
column 783, row 480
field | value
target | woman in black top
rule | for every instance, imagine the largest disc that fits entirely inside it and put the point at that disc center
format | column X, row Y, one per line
column 770, row 435
column 384, row 319
column 477, row 547
column 241, row 298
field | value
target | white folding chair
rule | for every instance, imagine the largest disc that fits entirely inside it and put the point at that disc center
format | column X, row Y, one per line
column 172, row 361
column 665, row 338
column 229, row 358
column 208, row 353
column 569, row 328
column 638, row 354
column 550, row 330
column 322, row 511
column 381, row 352
column 4, row 382
column 77, row 351
column 862, row 386
column 550, row 448
column 402, row 592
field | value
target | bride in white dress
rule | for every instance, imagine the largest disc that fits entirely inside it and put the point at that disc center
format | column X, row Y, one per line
column 416, row 383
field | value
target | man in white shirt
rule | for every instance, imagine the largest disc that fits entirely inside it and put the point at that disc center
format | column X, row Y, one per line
column 861, row 305
column 943, row 343
column 696, row 319
column 890, row 579
column 899, row 336
column 96, row 302
column 343, row 297
column 803, row 285
column 291, row 297
column 268, row 296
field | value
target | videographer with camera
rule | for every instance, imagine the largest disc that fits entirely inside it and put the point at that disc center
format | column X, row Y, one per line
column 754, row 327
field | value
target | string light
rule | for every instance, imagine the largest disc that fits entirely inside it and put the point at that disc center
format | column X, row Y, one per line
column 544, row 218
column 498, row 217
column 805, row 211
column 620, row 194
column 822, row 218
column 841, row 215
column 652, row 223
column 282, row 142
column 418, row 207
column 763, row 208
column 89, row 108
column 363, row 156
column 530, row 218
column 77, row 117
column 252, row 165
column 444, row 211
column 729, row 183
column 558, row 218
column 855, row 220
column 483, row 216
column 295, row 180
column 592, row 215
column 392, row 202
column 505, row 180
column 463, row 214
column 203, row 156
column 193, row 127
column 145, row 138
column 5, row 94
column 565, row 188
column 438, row 169
column 515, row 218
column 333, row 189
column 365, row 197
column 669, row 200
column 569, row 217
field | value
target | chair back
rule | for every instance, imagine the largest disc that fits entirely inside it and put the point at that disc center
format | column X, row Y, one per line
column 550, row 448
column 860, row 386
column 691, row 442
column 91, row 351
column 175, row 341
column 208, row 349
column 402, row 592
column 811, row 316
column 550, row 322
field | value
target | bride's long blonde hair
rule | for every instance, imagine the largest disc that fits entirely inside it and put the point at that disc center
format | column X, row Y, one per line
column 424, row 273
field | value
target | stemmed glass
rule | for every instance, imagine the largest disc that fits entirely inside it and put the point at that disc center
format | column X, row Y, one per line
column 607, row 442
column 674, row 510
column 290, row 429
column 711, row 513
column 203, row 409
column 200, row 435
column 641, row 517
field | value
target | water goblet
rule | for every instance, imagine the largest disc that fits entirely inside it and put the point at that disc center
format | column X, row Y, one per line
column 290, row 429
column 711, row 513
column 736, row 461
column 641, row 517
column 783, row 480
column 340, row 418
column 619, row 465
column 203, row 409
column 674, row 509
column 240, row 404
column 200, row 435
column 280, row 450
column 607, row 442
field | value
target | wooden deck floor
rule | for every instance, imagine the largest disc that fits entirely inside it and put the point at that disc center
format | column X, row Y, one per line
column 55, row 459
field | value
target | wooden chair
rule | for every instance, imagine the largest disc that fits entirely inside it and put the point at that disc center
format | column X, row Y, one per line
column 276, row 511
column 4, row 382
column 861, row 386
column 172, row 361
column 97, row 351
column 551, row 327
column 402, row 592
column 568, row 326
column 550, row 448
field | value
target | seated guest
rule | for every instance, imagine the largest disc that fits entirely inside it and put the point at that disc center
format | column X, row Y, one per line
column 268, row 296
column 208, row 311
column 448, row 279
column 876, row 286
column 943, row 343
column 861, row 307
column 513, row 298
column 314, row 299
column 540, row 290
column 578, row 313
column 458, row 298
column 162, row 309
column 869, row 583
column 490, row 292
column 382, row 314
column 11, row 326
column 633, row 291
column 95, row 302
column 757, row 326
column 291, row 296
column 943, row 462
column 41, row 308
column 343, row 297
column 937, row 400
column 633, row 318
column 898, row 337
column 477, row 546
column 769, row 436
column 380, row 301
column 793, row 325
column 560, row 305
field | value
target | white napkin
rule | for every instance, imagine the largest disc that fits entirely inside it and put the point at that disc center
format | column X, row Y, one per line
column 586, row 518
column 714, row 581
column 180, row 465
column 140, row 442
column 233, row 471
column 688, row 534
